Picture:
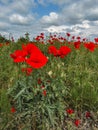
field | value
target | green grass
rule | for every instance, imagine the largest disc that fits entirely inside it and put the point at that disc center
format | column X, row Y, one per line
column 70, row 82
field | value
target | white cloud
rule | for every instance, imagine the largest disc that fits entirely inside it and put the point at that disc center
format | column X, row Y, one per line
column 22, row 6
column 51, row 18
column 3, row 26
column 19, row 19
column 84, row 25
column 74, row 16
column 57, row 29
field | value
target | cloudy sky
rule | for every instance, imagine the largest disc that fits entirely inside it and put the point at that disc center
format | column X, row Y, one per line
column 78, row 17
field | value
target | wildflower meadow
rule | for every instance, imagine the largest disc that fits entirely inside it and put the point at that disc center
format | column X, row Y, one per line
column 49, row 83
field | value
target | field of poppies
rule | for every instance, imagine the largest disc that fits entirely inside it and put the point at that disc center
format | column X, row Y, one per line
column 49, row 83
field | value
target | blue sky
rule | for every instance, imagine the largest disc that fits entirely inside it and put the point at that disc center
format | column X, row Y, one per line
column 45, row 9
column 78, row 17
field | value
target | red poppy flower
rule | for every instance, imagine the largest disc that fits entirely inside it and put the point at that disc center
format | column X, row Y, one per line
column 39, row 81
column 96, row 39
column 27, row 70
column 7, row 43
column 44, row 92
column 77, row 44
column 84, row 39
column 19, row 55
column 54, row 35
column 53, row 50
column 73, row 37
column 42, row 87
column 68, row 34
column 1, row 45
column 77, row 122
column 42, row 34
column 78, row 38
column 64, row 50
column 37, row 59
column 70, row 111
column 13, row 110
column 87, row 114
column 91, row 46
column 30, row 48
column 41, row 37
column 31, row 54
column 37, row 38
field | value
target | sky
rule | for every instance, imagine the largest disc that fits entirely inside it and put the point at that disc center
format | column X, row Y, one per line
column 77, row 17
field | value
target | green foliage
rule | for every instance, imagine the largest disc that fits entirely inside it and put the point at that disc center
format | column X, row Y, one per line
column 3, row 39
column 24, row 39
column 83, row 77
column 4, row 108
column 41, row 99
column 28, row 98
